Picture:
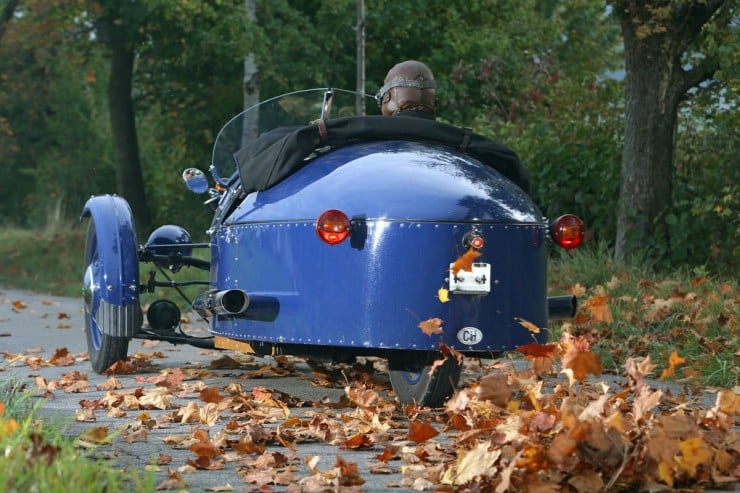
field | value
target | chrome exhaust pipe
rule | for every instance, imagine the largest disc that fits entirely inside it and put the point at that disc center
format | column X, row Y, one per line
column 561, row 307
column 226, row 302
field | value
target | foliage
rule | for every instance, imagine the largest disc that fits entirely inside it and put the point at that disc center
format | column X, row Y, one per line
column 542, row 76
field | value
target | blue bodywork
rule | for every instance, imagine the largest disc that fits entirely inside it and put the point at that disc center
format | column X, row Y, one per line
column 410, row 205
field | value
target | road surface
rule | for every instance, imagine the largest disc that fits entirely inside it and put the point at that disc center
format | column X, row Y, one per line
column 178, row 390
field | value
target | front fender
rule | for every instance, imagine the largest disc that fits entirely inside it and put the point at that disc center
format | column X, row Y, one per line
column 117, row 249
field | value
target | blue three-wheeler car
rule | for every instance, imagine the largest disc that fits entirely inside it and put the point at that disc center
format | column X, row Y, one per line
column 337, row 236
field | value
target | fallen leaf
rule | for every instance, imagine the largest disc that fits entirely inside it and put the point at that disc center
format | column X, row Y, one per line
column 582, row 363
column 694, row 453
column 465, row 261
column 210, row 395
column 421, row 431
column 349, row 474
column 673, row 360
column 443, row 295
column 61, row 357
column 431, row 326
column 599, row 309
column 494, row 388
column 528, row 325
column 472, row 463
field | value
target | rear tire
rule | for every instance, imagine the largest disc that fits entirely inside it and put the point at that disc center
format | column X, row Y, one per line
column 409, row 376
column 103, row 349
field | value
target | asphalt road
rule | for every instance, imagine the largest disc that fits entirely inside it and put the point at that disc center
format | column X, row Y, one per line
column 34, row 327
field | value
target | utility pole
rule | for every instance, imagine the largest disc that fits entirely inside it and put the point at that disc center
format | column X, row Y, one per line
column 251, row 89
column 360, row 100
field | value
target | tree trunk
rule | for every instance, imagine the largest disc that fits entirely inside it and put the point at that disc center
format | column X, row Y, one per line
column 6, row 15
column 129, row 180
column 656, row 35
column 647, row 159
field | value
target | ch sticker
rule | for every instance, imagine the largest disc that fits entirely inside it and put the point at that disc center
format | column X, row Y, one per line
column 469, row 336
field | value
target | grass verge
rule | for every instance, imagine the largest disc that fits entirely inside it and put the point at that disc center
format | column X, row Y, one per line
column 38, row 457
column 633, row 311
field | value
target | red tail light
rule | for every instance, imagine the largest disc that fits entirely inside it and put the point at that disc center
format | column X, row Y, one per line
column 333, row 226
column 567, row 231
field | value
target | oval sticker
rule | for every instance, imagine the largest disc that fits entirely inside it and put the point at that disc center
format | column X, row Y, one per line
column 469, row 336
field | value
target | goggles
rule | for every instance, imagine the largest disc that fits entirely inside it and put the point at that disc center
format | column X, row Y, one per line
column 416, row 84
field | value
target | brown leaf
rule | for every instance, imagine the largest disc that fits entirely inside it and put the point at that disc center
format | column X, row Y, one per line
column 694, row 453
column 389, row 452
column 528, row 325
column 61, row 357
column 494, row 388
column 599, row 309
column 421, row 431
column 363, row 396
column 582, row 363
column 122, row 367
column 174, row 481
column 224, row 363
column 98, row 434
column 673, row 360
column 536, row 350
column 18, row 304
column 542, row 356
column 349, row 474
column 210, row 395
column 465, row 261
column 431, row 326
column 358, row 441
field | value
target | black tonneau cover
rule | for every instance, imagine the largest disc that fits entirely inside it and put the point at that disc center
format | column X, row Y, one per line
column 279, row 153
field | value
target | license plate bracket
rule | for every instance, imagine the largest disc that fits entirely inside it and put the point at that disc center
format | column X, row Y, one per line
column 477, row 281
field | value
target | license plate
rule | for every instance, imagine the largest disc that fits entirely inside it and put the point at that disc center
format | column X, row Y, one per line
column 476, row 282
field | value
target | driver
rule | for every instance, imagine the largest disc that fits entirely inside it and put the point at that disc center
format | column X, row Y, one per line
column 409, row 90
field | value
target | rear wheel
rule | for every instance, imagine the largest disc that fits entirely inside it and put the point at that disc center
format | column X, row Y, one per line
column 411, row 381
column 104, row 349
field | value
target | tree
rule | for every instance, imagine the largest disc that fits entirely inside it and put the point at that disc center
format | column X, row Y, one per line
column 662, row 42
column 118, row 26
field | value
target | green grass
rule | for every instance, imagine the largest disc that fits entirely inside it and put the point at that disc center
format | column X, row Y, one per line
column 655, row 313
column 48, row 261
column 37, row 456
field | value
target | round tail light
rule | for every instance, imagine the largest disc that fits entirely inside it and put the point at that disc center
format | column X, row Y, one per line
column 567, row 231
column 333, row 226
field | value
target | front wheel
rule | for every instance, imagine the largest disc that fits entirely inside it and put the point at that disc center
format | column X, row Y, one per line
column 412, row 383
column 104, row 349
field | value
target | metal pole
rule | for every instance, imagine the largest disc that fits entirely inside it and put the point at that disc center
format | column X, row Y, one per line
column 360, row 100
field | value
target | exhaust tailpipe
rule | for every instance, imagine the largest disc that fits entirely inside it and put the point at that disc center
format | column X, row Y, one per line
column 226, row 302
column 561, row 307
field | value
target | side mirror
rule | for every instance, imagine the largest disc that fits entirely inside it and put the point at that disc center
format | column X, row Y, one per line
column 195, row 180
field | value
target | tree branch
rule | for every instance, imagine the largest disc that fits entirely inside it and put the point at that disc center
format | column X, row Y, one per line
column 686, row 79
column 689, row 18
